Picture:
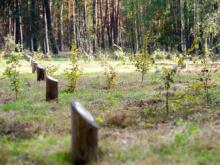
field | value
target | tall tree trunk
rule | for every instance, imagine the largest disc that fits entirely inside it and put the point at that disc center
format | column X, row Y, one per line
column 107, row 19
column 74, row 23
column 21, row 30
column 136, row 38
column 34, row 26
column 102, row 35
column 49, row 28
column 94, row 25
column 179, row 25
column 17, row 22
column 186, row 25
column 60, row 24
column 115, row 24
column 85, row 29
column 46, row 40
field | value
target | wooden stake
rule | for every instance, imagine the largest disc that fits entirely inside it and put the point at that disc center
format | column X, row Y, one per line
column 51, row 89
column 84, row 135
column 41, row 73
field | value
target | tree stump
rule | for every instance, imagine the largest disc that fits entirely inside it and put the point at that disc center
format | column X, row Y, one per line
column 41, row 73
column 84, row 135
column 34, row 66
column 51, row 89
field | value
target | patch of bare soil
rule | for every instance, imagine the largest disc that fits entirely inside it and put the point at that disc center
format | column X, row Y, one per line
column 202, row 117
column 53, row 129
column 8, row 100
column 4, row 99
column 8, row 115
column 121, row 119
column 128, row 84
column 16, row 129
column 145, row 103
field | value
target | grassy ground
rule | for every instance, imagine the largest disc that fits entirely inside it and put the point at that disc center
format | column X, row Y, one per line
column 134, row 127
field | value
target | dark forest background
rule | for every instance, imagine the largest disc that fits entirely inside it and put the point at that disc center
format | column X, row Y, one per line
column 94, row 25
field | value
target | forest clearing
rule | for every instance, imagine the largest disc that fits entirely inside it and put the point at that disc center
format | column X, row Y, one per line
column 134, row 126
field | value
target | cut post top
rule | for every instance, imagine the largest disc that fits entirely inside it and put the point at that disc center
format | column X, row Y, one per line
column 84, row 113
column 33, row 62
column 40, row 67
column 52, row 79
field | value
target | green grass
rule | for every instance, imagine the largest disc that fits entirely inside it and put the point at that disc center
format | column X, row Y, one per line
column 134, row 126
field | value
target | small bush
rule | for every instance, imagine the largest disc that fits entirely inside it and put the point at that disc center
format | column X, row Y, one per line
column 12, row 72
column 142, row 62
column 111, row 75
column 51, row 69
column 109, row 72
column 168, row 78
column 74, row 72
column 206, row 83
column 159, row 54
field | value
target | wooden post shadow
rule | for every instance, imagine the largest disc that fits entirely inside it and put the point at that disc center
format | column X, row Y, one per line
column 41, row 73
column 51, row 89
column 84, row 135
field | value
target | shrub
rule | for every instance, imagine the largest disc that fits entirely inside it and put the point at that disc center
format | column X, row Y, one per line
column 109, row 72
column 111, row 75
column 142, row 62
column 51, row 69
column 159, row 54
column 168, row 78
column 74, row 72
column 203, row 83
column 206, row 83
column 12, row 72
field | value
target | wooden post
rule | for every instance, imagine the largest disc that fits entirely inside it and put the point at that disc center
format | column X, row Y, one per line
column 41, row 73
column 84, row 135
column 51, row 89
column 34, row 66
column 27, row 57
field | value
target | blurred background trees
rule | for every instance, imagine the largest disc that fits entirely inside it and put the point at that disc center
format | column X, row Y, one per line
column 52, row 25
